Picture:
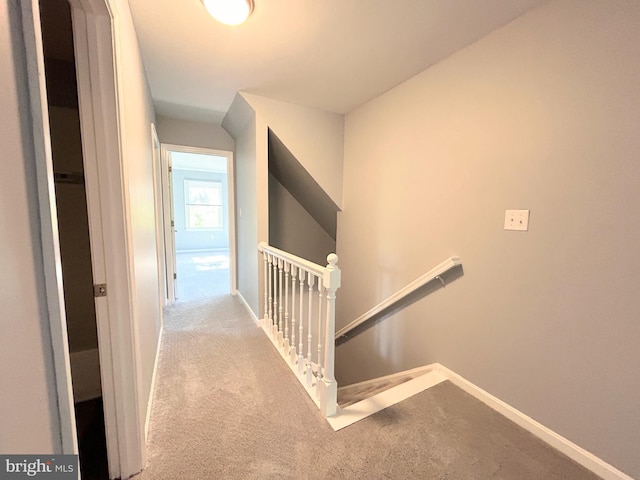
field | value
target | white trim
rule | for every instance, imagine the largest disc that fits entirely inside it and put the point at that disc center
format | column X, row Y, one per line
column 174, row 147
column 82, row 34
column 189, row 183
column 156, row 157
column 153, row 385
column 96, row 42
column 436, row 373
column 231, row 206
column 246, row 305
column 168, row 233
column 129, row 352
column 570, row 449
column 318, row 270
column 52, row 264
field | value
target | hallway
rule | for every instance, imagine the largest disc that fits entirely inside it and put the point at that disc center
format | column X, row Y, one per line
column 227, row 407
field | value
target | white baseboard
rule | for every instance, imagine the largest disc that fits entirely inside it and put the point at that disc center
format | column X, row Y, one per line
column 85, row 370
column 153, row 385
column 249, row 310
column 570, row 449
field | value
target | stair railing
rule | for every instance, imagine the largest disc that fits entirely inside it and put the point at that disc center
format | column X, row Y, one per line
column 299, row 318
column 433, row 274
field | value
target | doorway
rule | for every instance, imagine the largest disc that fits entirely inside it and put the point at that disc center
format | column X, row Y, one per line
column 199, row 222
column 73, row 227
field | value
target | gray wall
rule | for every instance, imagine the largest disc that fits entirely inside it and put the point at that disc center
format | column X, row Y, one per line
column 542, row 114
column 192, row 239
column 293, row 229
column 193, row 134
column 314, row 138
column 29, row 420
column 241, row 122
column 138, row 113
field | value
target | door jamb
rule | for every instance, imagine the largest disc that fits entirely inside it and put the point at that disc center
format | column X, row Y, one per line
column 158, row 194
column 96, row 44
column 167, row 216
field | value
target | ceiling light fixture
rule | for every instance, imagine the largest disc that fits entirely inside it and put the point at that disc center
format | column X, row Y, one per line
column 229, row 12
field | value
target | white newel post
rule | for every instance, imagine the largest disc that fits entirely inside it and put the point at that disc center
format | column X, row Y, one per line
column 328, row 386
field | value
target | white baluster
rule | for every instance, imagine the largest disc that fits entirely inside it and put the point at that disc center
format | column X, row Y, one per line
column 284, row 319
column 270, row 326
column 292, row 352
column 265, row 318
column 320, row 336
column 280, row 306
column 311, row 280
column 274, row 329
column 301, row 327
column 287, row 266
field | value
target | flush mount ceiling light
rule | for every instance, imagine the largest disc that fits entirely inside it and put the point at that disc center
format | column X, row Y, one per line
column 229, row 12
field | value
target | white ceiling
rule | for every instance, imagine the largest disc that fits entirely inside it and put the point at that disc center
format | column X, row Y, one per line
column 329, row 54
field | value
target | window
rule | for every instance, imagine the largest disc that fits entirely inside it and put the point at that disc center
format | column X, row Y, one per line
column 203, row 204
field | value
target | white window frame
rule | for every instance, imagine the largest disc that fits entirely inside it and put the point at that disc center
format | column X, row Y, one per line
column 187, row 204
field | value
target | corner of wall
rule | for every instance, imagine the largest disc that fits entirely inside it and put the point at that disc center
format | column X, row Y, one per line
column 315, row 137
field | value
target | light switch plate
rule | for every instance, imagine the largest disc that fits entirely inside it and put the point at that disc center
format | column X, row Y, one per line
column 516, row 220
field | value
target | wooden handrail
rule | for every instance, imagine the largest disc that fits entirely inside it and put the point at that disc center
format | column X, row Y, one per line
column 291, row 258
column 431, row 275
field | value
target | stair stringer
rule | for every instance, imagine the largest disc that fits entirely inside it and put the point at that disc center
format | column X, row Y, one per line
column 367, row 407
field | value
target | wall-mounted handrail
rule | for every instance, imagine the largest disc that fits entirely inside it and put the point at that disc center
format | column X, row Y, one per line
column 433, row 274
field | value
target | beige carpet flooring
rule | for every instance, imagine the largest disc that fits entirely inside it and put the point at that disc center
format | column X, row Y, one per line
column 227, row 407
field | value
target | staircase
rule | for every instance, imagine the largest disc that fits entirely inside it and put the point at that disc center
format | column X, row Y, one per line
column 362, row 400
column 299, row 318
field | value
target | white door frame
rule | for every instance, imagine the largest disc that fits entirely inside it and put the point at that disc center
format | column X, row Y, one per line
column 168, row 201
column 94, row 23
column 168, row 232
column 96, row 43
column 159, row 215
